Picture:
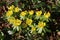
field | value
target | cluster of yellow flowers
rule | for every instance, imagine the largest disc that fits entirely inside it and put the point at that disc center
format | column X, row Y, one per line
column 15, row 22
column 13, row 11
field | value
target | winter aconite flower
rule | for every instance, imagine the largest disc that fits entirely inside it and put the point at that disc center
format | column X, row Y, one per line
column 11, row 7
column 23, row 13
column 29, row 21
column 17, row 22
column 38, row 13
column 31, row 12
column 9, row 13
column 17, row 9
column 41, row 24
column 11, row 20
column 47, row 15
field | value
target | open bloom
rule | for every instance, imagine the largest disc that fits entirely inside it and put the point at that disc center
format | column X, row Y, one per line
column 11, row 7
column 9, row 13
column 31, row 12
column 17, row 9
column 41, row 24
column 23, row 13
column 29, row 21
column 11, row 20
column 17, row 22
column 38, row 13
column 47, row 15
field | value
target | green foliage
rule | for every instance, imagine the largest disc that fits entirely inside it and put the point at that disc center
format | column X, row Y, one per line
column 1, row 36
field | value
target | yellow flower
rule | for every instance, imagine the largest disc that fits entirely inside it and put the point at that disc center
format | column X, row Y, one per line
column 29, row 21
column 33, row 29
column 38, row 13
column 41, row 24
column 11, row 7
column 11, row 20
column 17, row 9
column 31, row 12
column 47, row 15
column 17, row 22
column 23, row 13
column 9, row 13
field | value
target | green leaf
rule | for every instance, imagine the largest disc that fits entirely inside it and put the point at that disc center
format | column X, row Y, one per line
column 47, row 30
column 16, row 2
column 40, row 30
